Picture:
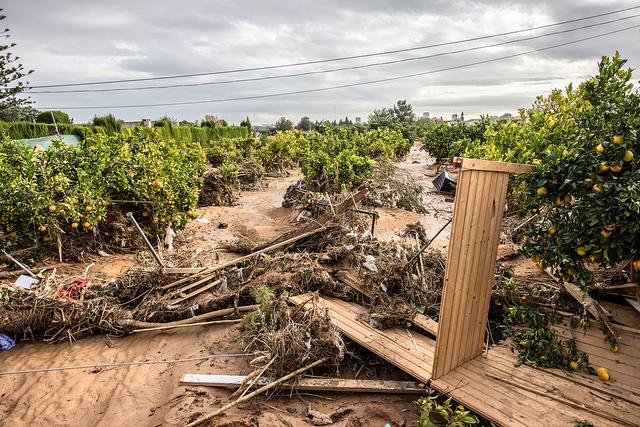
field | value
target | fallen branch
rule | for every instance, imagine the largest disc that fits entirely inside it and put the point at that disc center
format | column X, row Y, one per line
column 591, row 305
column 257, row 392
column 136, row 324
column 161, row 328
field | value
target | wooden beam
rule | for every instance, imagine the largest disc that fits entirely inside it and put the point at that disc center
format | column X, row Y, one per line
column 491, row 166
column 311, row 384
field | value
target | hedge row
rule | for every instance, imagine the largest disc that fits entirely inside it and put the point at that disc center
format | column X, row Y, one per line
column 27, row 130
column 202, row 135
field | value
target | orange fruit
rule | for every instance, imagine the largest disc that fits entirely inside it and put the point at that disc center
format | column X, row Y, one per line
column 581, row 251
column 597, row 188
column 52, row 208
column 618, row 139
column 42, row 228
column 603, row 168
column 616, row 168
column 628, row 156
column 567, row 198
column 86, row 225
column 542, row 191
column 600, row 148
column 74, row 225
column 603, row 374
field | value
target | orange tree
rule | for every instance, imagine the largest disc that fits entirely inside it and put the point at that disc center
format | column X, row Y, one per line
column 74, row 190
column 586, row 186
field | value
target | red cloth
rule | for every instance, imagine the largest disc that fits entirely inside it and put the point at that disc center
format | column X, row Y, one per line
column 73, row 288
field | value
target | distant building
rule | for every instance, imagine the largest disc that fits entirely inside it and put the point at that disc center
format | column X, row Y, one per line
column 425, row 115
column 358, row 120
column 506, row 116
column 454, row 117
column 148, row 123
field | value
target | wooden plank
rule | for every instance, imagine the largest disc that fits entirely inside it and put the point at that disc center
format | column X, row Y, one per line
column 470, row 265
column 183, row 270
column 484, row 292
column 393, row 345
column 312, row 384
column 425, row 323
column 491, row 166
column 454, row 262
column 461, row 306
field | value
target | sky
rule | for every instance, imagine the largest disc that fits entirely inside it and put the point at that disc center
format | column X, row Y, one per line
column 71, row 41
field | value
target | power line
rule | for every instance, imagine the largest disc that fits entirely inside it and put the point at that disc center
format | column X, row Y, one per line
column 343, row 58
column 368, row 82
column 353, row 67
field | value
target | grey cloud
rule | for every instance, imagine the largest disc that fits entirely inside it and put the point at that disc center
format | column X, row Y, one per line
column 76, row 40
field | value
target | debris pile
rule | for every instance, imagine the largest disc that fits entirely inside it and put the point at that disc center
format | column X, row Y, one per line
column 216, row 190
column 391, row 189
column 288, row 338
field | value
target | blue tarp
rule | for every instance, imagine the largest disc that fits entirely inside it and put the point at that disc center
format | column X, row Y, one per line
column 45, row 142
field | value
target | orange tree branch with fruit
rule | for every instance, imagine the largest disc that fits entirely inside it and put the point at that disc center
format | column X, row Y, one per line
column 585, row 143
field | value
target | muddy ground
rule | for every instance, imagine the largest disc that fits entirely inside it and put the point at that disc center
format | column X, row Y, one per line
column 150, row 394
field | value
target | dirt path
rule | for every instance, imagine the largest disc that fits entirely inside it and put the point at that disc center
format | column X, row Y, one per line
column 150, row 394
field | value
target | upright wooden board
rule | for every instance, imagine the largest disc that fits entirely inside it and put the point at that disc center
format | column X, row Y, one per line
column 477, row 220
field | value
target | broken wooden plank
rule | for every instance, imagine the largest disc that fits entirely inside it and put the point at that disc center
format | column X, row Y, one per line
column 630, row 287
column 311, row 384
column 426, row 324
column 256, row 392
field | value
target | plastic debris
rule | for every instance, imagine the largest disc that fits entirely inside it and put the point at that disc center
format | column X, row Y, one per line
column 6, row 343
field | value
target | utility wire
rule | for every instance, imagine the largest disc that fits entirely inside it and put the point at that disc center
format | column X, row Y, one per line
column 353, row 67
column 363, row 83
column 342, row 58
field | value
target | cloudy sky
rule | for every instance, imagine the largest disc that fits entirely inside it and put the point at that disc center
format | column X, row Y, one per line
column 71, row 41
